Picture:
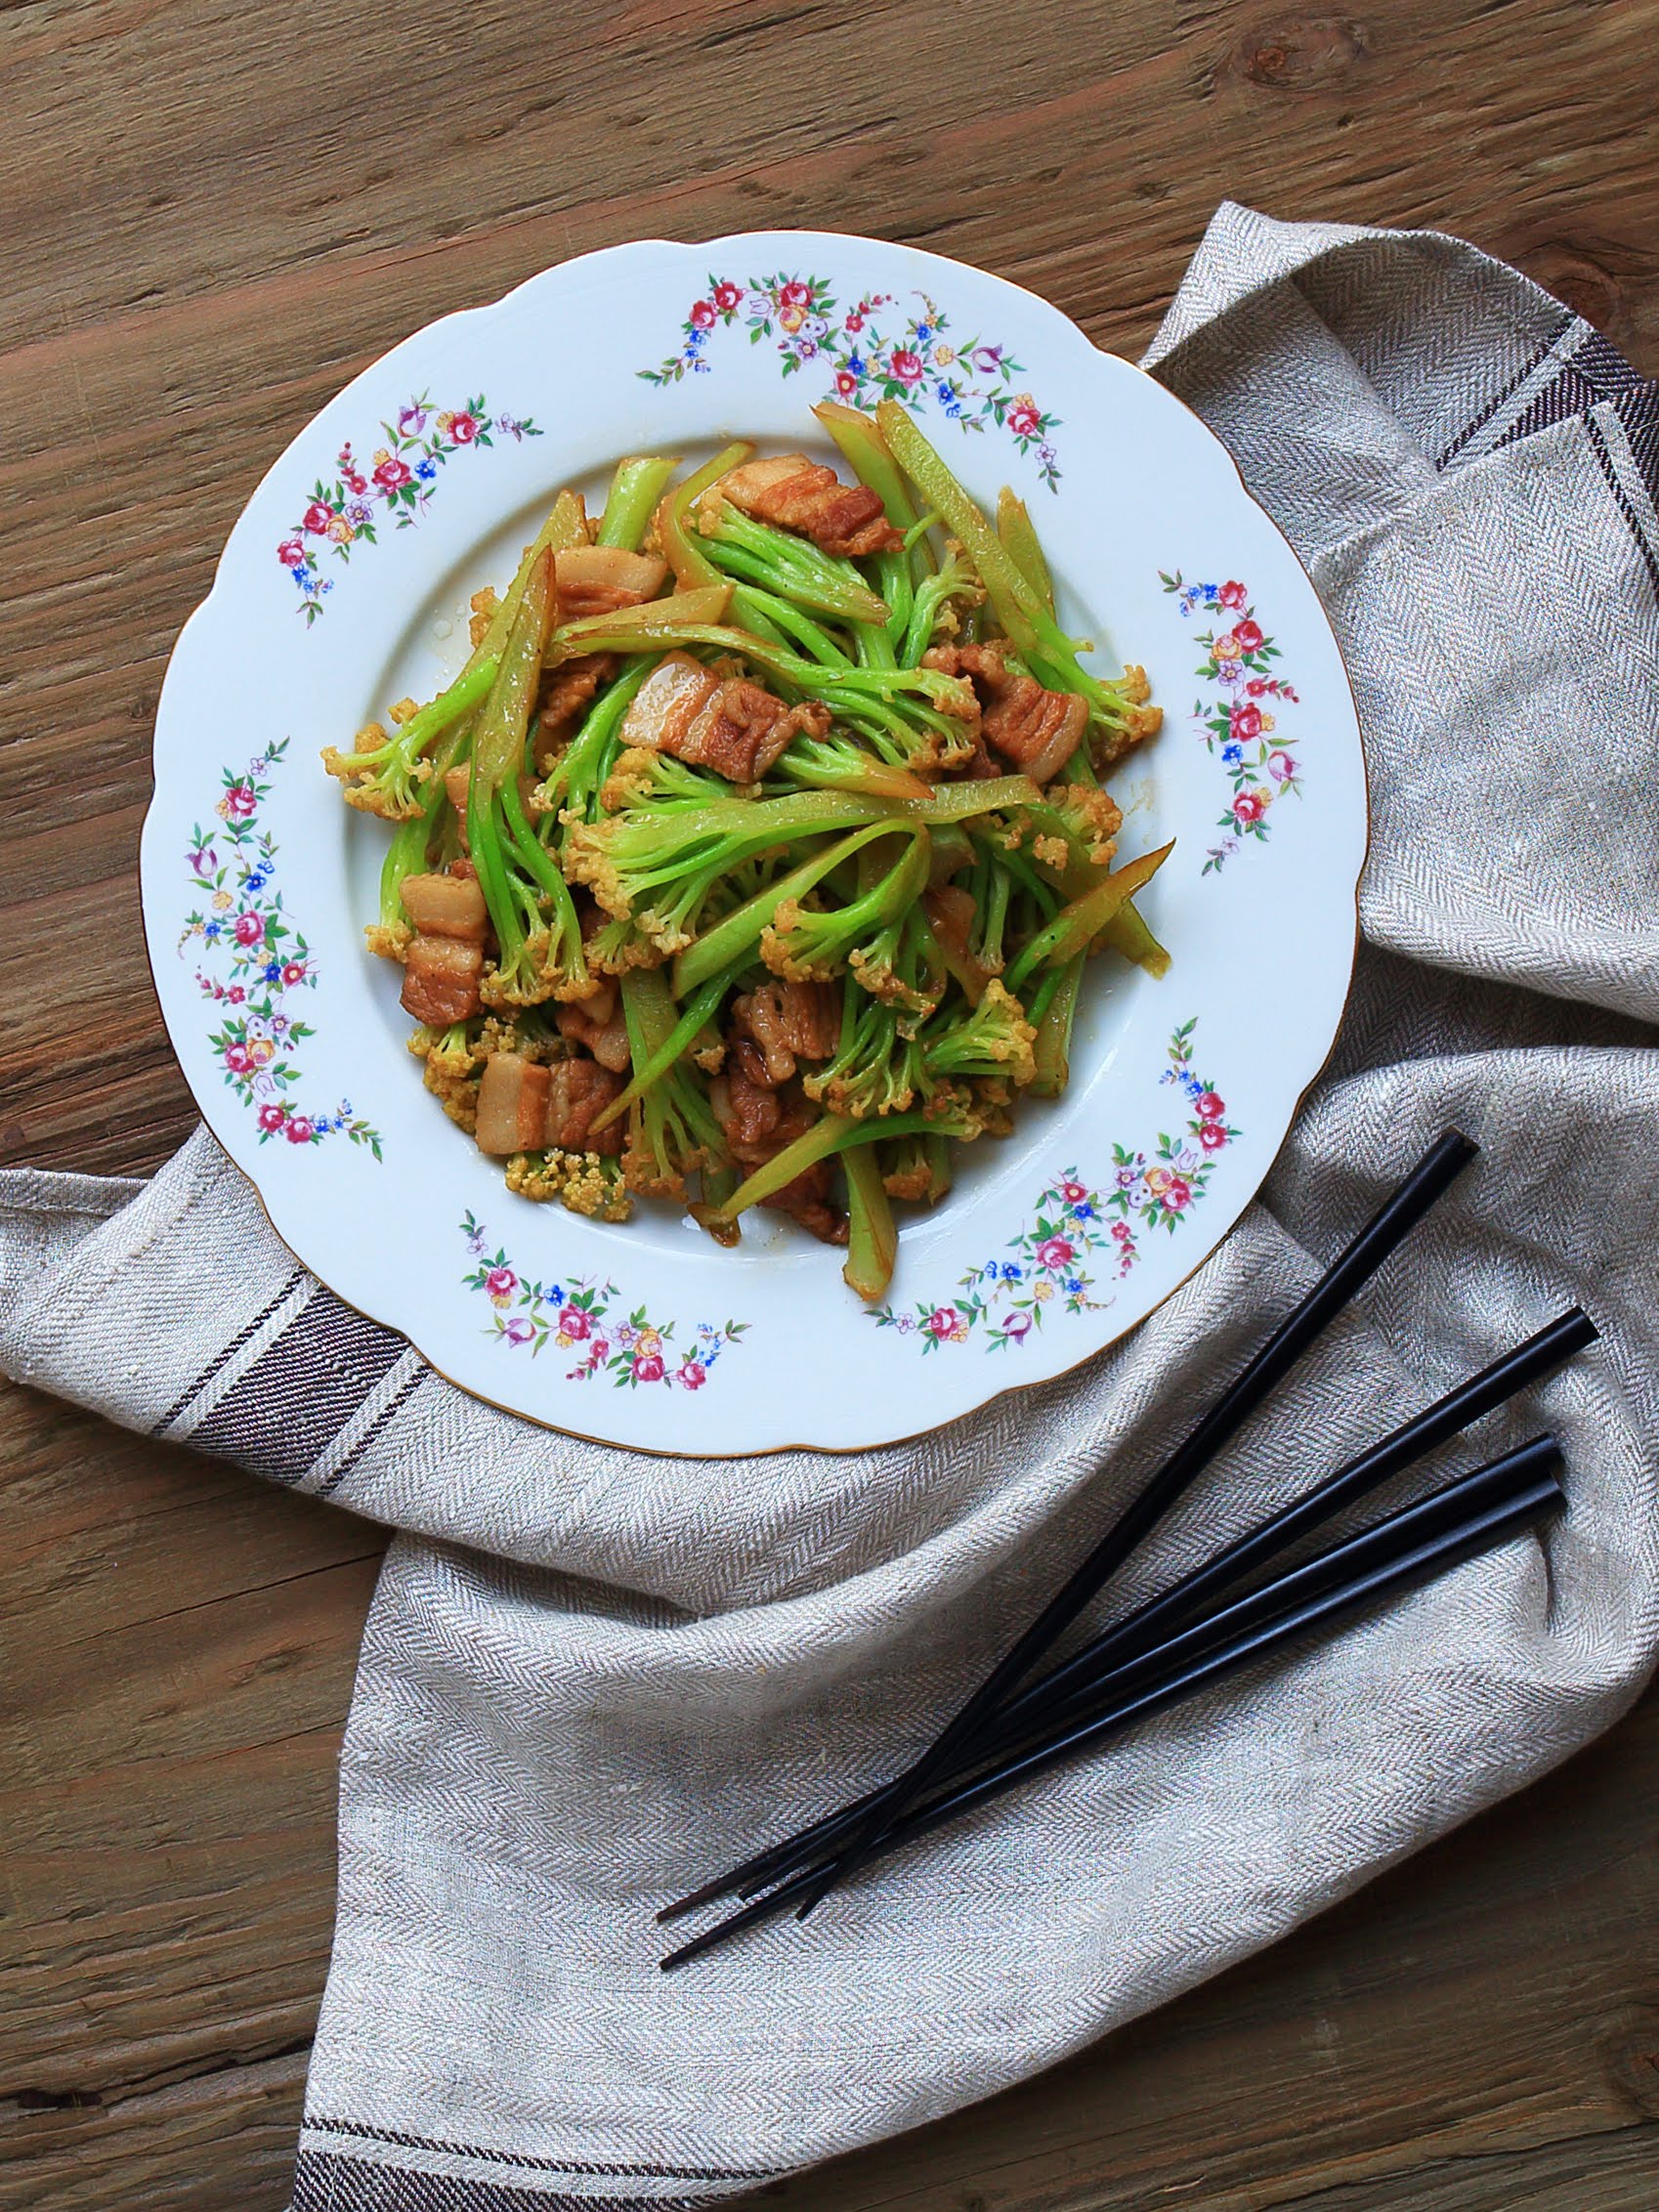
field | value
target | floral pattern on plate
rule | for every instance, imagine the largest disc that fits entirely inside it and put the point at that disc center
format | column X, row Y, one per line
column 576, row 1316
column 1237, row 721
column 871, row 350
column 1079, row 1239
column 241, row 931
column 394, row 486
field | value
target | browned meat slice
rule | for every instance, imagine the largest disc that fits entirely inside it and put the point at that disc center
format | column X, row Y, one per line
column 747, row 1110
column 807, row 1200
column 950, row 910
column 596, row 1024
column 1036, row 731
column 456, row 780
column 512, row 1104
column 668, row 703
column 734, row 727
column 742, row 730
column 758, row 1122
column 580, row 1090
column 445, row 906
column 441, row 979
column 598, row 580
column 788, row 1022
column 566, row 693
column 800, row 494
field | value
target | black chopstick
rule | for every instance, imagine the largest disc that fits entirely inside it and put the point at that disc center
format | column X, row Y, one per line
column 1453, row 1501
column 1391, row 1570
column 1383, row 1233
column 1469, row 1402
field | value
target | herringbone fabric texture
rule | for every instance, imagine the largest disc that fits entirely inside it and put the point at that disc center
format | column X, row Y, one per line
column 589, row 1677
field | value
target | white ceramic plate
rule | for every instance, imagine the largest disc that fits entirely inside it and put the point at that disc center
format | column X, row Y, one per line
column 343, row 587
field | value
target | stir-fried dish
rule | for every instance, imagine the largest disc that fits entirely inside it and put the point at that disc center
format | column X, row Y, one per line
column 755, row 855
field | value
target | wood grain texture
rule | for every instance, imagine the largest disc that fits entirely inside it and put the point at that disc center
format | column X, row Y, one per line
column 215, row 215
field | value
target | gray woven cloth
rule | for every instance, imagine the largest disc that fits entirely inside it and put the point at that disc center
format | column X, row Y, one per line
column 589, row 1677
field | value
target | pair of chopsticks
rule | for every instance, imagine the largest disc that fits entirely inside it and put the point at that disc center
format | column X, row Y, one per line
column 1181, row 1641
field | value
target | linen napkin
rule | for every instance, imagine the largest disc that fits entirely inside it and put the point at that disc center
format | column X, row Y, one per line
column 590, row 1676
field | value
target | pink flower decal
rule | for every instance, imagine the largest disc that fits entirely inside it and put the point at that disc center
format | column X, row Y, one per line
column 272, row 1117
column 238, row 1059
column 239, row 802
column 1234, row 722
column 635, row 1352
column 250, row 929
column 298, row 1129
column 351, row 510
column 866, row 347
column 293, row 971
column 1043, row 1275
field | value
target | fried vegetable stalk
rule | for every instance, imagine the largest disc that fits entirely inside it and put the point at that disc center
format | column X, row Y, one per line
column 682, row 549
column 872, row 1237
column 1118, row 710
column 1075, row 927
column 832, row 1133
column 1051, row 1049
column 1022, row 545
column 635, row 489
column 388, row 779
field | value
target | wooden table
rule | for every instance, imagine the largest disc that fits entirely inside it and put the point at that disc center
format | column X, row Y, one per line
column 214, row 214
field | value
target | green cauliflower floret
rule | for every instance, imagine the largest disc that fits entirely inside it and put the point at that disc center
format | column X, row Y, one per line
column 388, row 775
column 812, row 944
column 991, row 1039
column 583, row 1181
column 660, row 864
column 875, row 1071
